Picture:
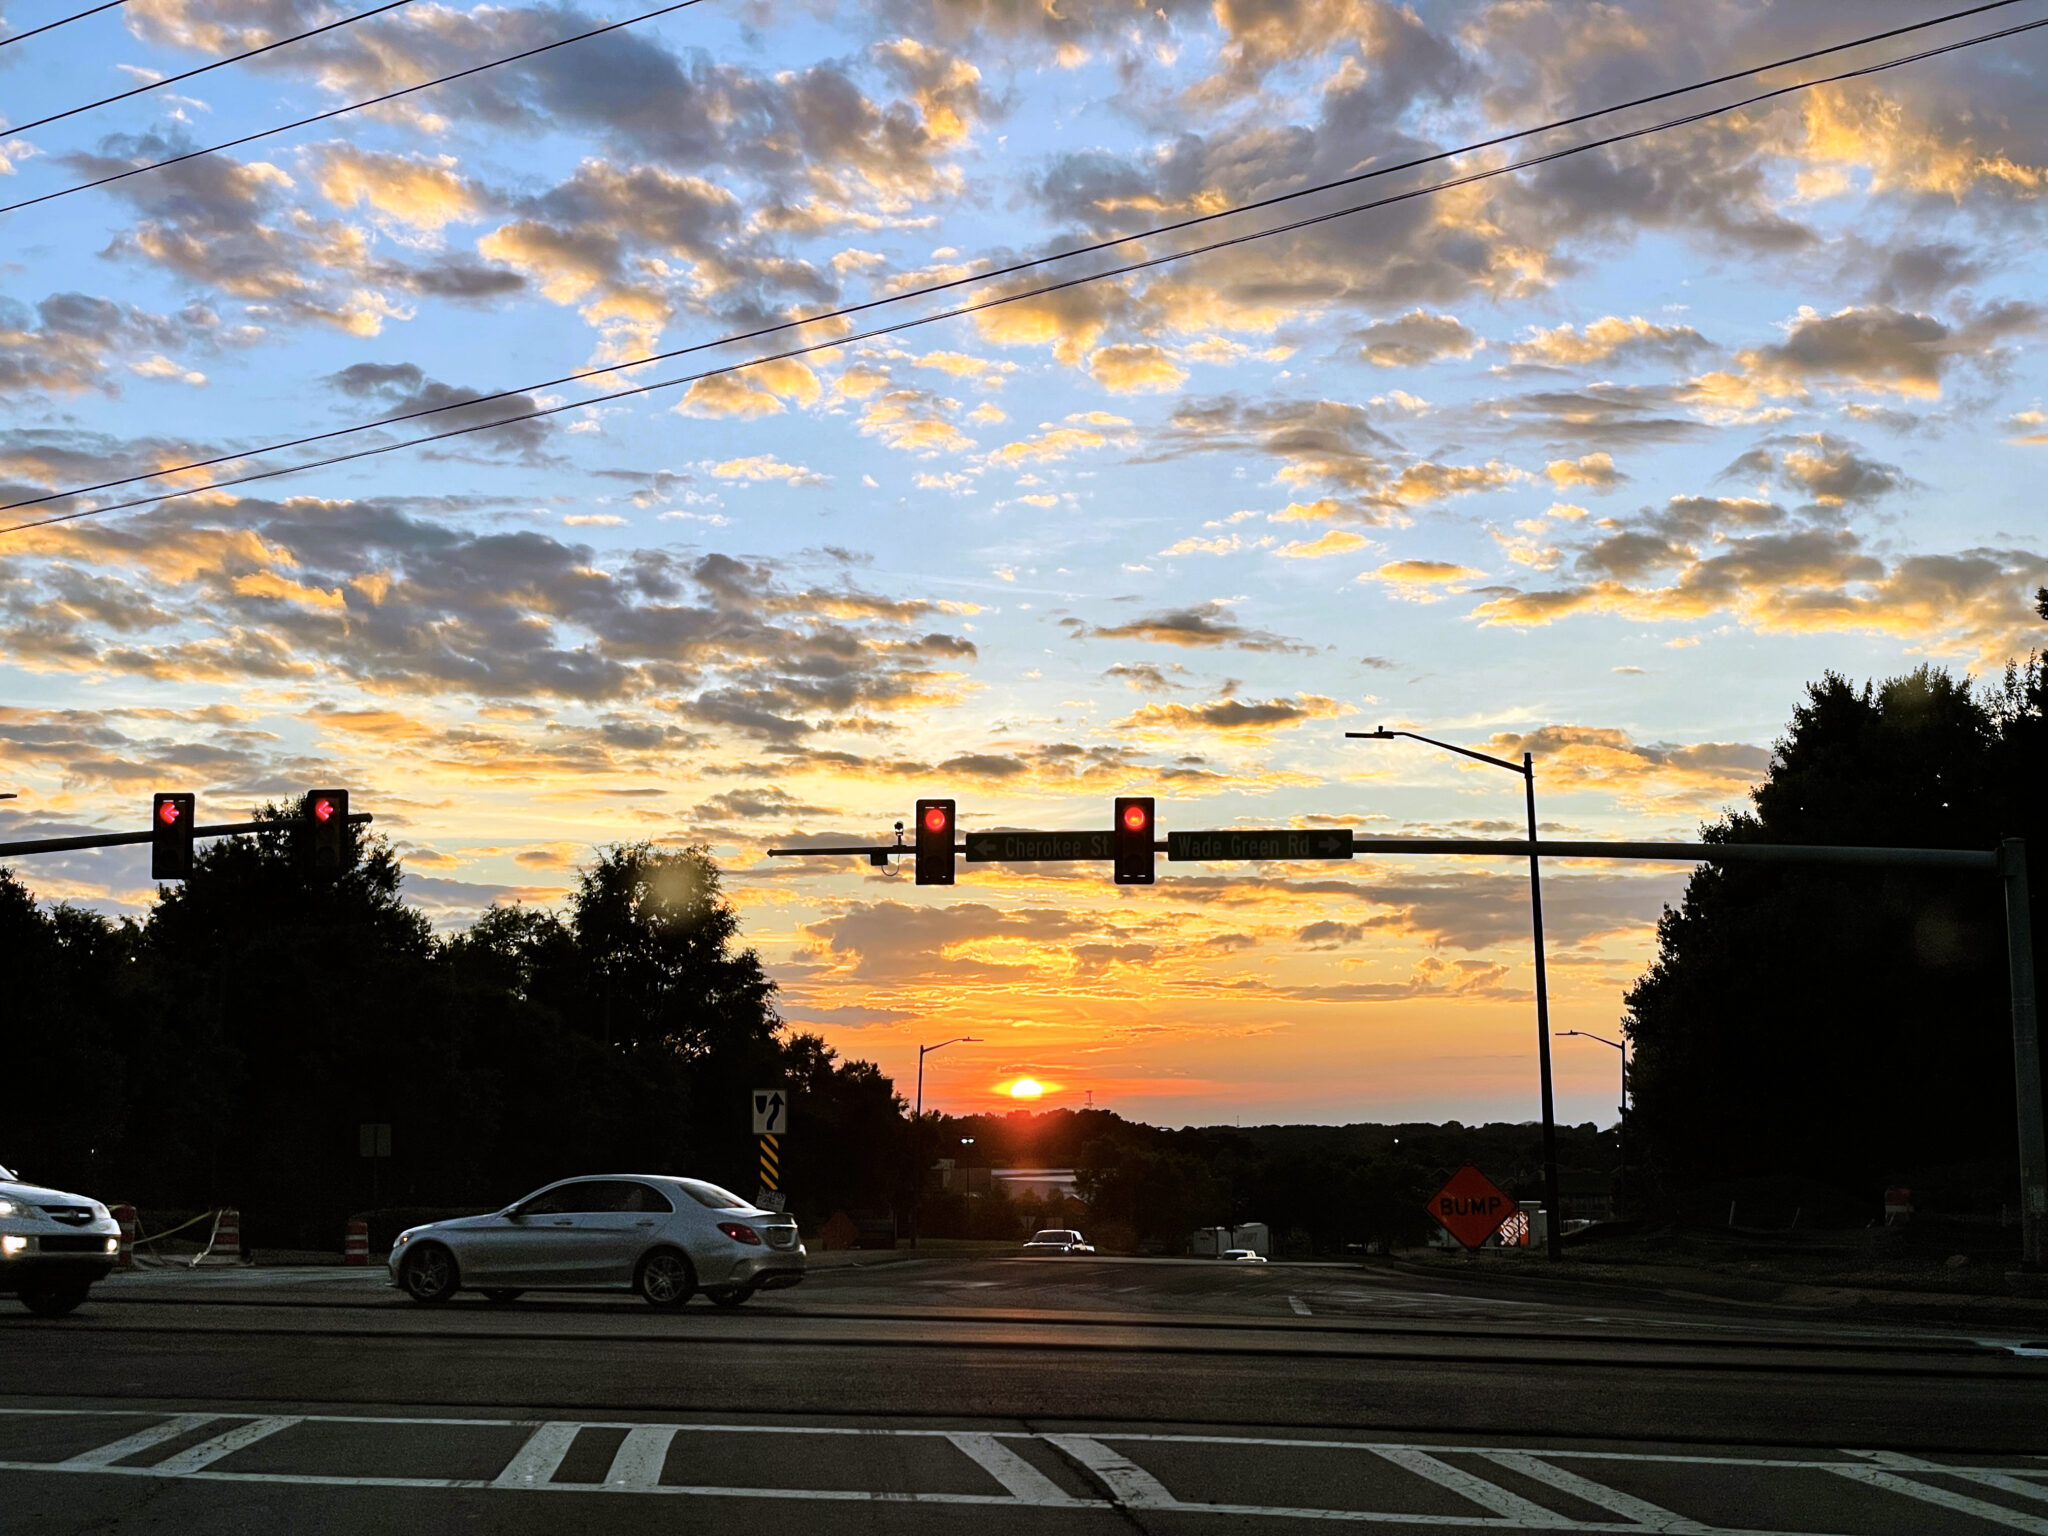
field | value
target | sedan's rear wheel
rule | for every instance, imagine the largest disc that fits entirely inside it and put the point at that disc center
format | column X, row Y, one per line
column 428, row 1273
column 665, row 1278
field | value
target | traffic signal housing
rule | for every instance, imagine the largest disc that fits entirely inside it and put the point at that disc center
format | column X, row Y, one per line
column 934, row 842
column 324, row 838
column 171, row 819
column 1131, row 840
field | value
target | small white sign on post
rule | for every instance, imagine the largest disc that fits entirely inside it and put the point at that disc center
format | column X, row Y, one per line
column 771, row 1112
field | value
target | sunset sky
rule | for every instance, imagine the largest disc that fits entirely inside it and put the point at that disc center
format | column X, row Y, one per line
column 1601, row 460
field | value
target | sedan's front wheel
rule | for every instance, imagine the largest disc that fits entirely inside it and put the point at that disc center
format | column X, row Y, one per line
column 665, row 1278
column 54, row 1299
column 428, row 1273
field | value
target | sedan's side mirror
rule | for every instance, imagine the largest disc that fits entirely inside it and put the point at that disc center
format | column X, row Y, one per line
column 514, row 1213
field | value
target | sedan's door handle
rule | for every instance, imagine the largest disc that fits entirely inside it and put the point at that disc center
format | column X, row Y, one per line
column 565, row 1223
column 647, row 1223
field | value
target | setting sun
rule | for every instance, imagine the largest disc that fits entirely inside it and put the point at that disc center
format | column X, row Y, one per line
column 1026, row 1088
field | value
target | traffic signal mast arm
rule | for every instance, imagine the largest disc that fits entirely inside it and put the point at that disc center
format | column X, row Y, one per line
column 119, row 839
column 1509, row 847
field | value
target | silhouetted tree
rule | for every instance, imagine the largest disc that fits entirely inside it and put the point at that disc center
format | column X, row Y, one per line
column 1847, row 1026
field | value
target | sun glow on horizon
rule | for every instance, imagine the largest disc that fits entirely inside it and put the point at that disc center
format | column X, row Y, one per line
column 1026, row 1088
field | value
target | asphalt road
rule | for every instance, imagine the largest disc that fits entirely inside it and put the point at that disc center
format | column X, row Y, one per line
column 929, row 1392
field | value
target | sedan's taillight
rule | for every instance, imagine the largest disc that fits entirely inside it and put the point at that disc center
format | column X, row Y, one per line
column 740, row 1232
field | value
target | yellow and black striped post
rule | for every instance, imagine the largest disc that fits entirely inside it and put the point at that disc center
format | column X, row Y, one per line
column 771, row 1170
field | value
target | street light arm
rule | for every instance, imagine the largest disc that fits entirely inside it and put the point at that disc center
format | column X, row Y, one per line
column 1383, row 734
column 1589, row 1035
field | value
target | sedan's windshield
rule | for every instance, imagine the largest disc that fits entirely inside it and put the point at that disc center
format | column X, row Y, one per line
column 1052, row 1237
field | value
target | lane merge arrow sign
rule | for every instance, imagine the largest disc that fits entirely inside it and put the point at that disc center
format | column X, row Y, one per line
column 771, row 1112
column 1471, row 1207
column 1278, row 844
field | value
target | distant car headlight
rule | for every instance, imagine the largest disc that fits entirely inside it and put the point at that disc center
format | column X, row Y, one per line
column 12, row 1245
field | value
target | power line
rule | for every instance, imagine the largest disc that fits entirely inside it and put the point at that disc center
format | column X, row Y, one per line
column 1563, row 122
column 847, row 311
column 993, row 302
column 157, row 85
column 61, row 21
column 354, row 106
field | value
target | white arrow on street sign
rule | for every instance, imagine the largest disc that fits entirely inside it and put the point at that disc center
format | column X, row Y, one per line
column 771, row 1112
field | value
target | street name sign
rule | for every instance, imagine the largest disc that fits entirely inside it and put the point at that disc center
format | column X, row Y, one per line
column 1279, row 844
column 1471, row 1207
column 1036, row 847
column 771, row 1112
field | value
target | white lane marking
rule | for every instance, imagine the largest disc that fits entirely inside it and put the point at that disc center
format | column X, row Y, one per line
column 641, row 1456
column 1488, row 1496
column 1989, row 1477
column 141, row 1440
column 207, row 1452
column 1025, row 1482
column 1129, row 1484
column 1300, row 1307
column 535, row 1461
column 1962, row 1503
column 1653, row 1517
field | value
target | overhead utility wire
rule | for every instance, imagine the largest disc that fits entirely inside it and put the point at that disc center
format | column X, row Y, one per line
column 994, row 302
column 61, row 21
column 354, row 106
column 476, row 69
column 236, row 58
column 998, row 272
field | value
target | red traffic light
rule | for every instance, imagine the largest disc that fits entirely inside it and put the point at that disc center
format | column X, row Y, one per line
column 173, row 819
column 934, row 842
column 323, row 808
column 1131, row 840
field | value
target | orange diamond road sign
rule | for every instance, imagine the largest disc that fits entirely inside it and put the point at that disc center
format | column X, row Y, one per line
column 1471, row 1206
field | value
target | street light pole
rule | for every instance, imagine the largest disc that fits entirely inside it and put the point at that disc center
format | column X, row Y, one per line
column 1621, row 1131
column 917, row 1121
column 1553, row 1226
column 926, row 1050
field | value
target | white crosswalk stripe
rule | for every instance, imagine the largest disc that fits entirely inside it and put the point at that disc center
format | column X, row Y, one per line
column 207, row 1452
column 539, row 1457
column 1024, row 1481
column 142, row 1440
column 1124, row 1465
column 641, row 1456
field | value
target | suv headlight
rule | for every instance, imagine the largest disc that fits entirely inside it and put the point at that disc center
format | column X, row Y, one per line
column 12, row 1208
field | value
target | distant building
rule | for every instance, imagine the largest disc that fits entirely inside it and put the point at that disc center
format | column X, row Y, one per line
column 1209, row 1242
column 1037, row 1183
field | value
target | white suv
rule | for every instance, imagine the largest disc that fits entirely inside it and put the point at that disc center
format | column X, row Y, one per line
column 52, row 1245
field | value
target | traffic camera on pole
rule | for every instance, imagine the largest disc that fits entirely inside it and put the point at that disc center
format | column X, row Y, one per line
column 934, row 842
column 171, row 819
column 324, row 837
column 1131, row 840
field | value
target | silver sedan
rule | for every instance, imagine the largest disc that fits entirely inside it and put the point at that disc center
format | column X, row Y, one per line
column 664, row 1237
